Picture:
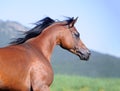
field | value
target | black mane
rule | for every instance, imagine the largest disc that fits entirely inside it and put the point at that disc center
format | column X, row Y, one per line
column 37, row 30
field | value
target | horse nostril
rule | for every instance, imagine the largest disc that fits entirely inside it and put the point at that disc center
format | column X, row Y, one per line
column 89, row 52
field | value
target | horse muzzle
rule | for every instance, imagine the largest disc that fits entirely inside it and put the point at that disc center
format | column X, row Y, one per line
column 83, row 54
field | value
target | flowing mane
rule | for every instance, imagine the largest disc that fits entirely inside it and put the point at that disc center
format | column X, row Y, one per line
column 37, row 30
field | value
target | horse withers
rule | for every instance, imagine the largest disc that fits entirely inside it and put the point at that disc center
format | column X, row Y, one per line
column 25, row 64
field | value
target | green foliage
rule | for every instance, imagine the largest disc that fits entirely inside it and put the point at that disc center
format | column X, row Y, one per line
column 77, row 83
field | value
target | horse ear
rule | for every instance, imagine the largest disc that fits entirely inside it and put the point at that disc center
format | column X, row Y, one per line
column 73, row 22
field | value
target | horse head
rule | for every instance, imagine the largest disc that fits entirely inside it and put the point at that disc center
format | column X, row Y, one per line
column 71, row 41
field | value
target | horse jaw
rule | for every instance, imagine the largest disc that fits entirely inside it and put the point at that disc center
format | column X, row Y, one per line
column 81, row 55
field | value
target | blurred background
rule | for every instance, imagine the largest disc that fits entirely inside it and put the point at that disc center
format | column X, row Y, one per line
column 99, row 28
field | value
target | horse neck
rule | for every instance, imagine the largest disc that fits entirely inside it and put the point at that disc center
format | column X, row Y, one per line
column 46, row 41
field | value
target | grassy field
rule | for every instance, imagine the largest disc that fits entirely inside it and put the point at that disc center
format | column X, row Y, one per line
column 77, row 83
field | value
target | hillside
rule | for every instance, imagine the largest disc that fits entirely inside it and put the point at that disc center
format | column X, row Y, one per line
column 9, row 30
column 99, row 65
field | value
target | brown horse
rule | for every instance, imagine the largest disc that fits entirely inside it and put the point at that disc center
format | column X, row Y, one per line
column 25, row 64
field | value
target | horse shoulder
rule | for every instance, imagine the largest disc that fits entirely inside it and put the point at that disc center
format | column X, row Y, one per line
column 15, row 67
column 41, row 72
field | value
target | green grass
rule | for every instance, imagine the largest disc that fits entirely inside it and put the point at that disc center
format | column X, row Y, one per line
column 77, row 83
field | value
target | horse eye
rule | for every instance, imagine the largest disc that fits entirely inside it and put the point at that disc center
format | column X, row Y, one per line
column 77, row 35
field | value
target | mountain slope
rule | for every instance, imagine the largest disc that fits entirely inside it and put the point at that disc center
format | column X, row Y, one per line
column 99, row 65
column 9, row 30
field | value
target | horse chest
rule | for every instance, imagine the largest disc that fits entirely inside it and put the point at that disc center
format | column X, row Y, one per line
column 41, row 73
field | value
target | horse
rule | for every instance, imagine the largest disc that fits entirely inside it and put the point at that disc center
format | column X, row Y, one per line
column 25, row 63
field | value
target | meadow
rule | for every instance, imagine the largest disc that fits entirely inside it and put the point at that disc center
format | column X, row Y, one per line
column 78, row 83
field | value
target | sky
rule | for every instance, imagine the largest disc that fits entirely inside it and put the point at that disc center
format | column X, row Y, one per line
column 98, row 23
